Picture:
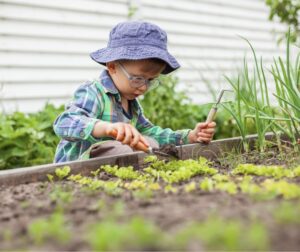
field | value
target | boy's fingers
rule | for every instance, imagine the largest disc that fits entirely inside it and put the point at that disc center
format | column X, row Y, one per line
column 144, row 141
column 204, row 135
column 208, row 130
column 121, row 132
column 201, row 125
column 212, row 125
column 128, row 135
column 136, row 137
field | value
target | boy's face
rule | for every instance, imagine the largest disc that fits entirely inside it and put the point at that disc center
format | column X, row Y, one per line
column 146, row 69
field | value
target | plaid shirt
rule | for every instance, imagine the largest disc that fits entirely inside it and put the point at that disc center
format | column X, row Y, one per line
column 100, row 100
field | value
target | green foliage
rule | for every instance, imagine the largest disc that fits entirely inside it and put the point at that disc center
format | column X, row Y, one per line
column 60, row 195
column 126, row 173
column 268, row 171
column 61, row 173
column 180, row 170
column 53, row 228
column 27, row 140
column 288, row 12
column 207, row 184
column 218, row 234
column 136, row 234
column 253, row 101
column 287, row 213
column 190, row 187
column 229, row 187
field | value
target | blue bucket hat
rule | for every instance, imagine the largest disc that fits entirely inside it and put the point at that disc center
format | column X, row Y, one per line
column 135, row 40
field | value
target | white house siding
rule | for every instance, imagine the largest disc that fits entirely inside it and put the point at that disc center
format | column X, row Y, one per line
column 45, row 45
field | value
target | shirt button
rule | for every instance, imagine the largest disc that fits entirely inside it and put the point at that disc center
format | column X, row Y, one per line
column 82, row 134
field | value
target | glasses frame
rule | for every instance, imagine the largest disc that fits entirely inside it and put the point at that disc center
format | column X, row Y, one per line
column 133, row 80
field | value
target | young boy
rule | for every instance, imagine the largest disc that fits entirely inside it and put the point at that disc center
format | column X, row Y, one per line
column 135, row 57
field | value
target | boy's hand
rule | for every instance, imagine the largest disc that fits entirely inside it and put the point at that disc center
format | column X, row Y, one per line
column 203, row 132
column 127, row 134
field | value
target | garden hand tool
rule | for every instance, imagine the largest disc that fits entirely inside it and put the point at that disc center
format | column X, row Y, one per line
column 141, row 146
column 213, row 110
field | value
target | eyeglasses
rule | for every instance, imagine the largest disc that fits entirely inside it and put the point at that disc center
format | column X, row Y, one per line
column 138, row 81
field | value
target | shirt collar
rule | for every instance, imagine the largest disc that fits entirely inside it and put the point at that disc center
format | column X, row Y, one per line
column 108, row 83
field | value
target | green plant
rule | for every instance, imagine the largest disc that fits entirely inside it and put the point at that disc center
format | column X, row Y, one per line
column 288, row 12
column 136, row 234
column 287, row 78
column 60, row 195
column 62, row 173
column 207, row 184
column 268, row 171
column 49, row 228
column 287, row 213
column 216, row 233
column 28, row 139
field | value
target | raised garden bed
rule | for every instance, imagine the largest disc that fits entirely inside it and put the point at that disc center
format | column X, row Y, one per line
column 221, row 204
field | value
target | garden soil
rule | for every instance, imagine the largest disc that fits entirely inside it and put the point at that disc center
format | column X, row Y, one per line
column 22, row 204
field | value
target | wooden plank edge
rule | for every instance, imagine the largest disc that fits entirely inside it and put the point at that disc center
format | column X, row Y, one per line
column 191, row 151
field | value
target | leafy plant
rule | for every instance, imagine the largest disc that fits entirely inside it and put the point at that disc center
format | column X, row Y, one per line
column 216, row 233
column 288, row 12
column 49, row 228
column 287, row 213
column 62, row 173
column 136, row 234
column 28, row 139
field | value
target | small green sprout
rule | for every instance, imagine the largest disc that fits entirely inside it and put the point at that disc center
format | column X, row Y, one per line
column 61, row 196
column 53, row 228
column 126, row 173
column 96, row 173
column 143, row 194
column 229, row 187
column 50, row 178
column 61, row 173
column 207, row 185
column 170, row 189
column 150, row 159
column 190, row 187
column 287, row 213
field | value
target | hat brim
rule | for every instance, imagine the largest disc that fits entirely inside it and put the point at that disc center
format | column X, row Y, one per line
column 105, row 55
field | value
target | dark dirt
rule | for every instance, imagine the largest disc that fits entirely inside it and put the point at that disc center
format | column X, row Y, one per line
column 22, row 204
column 169, row 149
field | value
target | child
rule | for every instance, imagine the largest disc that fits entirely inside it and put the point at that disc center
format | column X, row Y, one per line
column 135, row 57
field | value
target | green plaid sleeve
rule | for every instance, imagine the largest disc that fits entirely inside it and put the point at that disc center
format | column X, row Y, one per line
column 162, row 136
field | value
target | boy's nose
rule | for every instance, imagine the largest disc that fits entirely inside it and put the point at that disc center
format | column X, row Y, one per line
column 143, row 88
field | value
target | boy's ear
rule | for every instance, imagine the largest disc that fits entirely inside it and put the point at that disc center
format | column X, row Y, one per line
column 111, row 67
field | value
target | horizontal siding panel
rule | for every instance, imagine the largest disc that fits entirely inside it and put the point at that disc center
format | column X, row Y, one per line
column 51, row 31
column 38, row 61
column 202, row 8
column 53, row 16
column 21, row 75
column 47, row 46
column 115, row 7
column 209, row 21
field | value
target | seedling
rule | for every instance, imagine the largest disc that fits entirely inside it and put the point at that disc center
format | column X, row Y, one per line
column 61, row 173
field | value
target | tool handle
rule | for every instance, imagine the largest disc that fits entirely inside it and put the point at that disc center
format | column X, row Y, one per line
column 211, row 114
column 140, row 145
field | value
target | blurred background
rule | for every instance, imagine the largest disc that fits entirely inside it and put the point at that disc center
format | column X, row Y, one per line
column 45, row 45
